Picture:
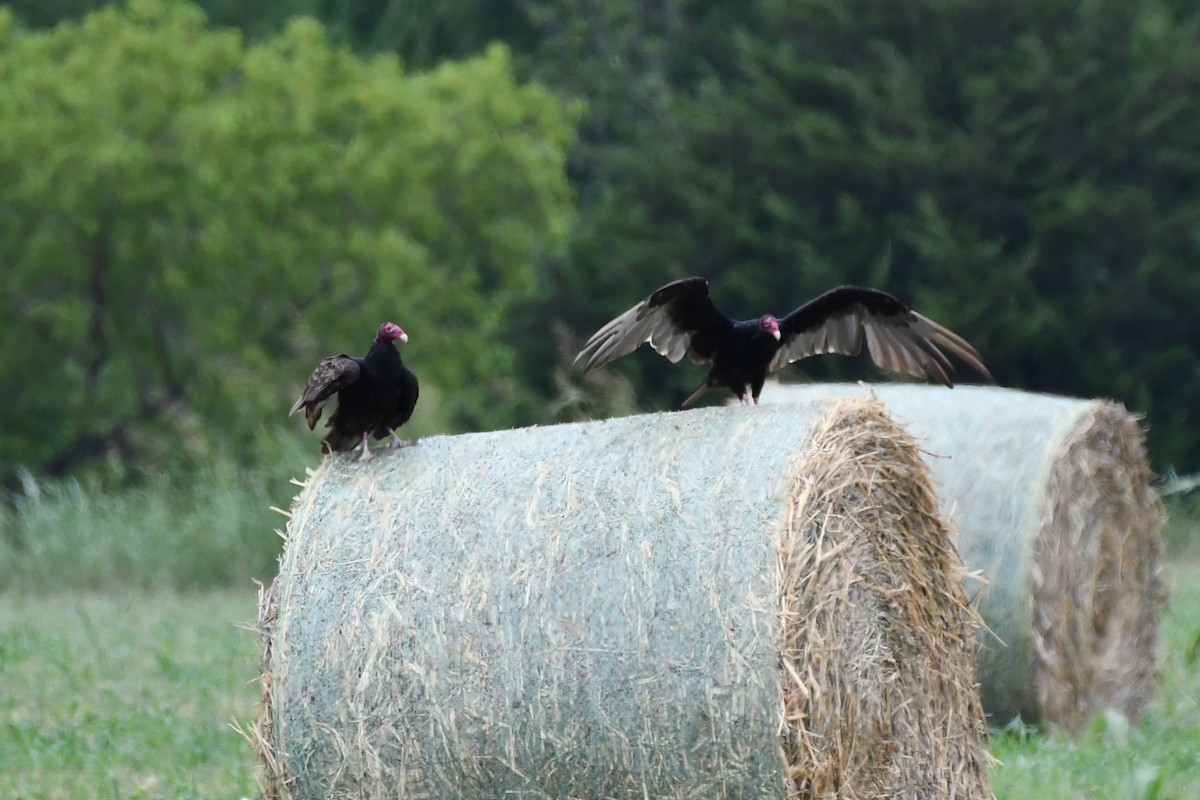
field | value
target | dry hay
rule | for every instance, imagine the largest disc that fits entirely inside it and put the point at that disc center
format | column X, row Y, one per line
column 718, row 603
column 1052, row 501
column 902, row 715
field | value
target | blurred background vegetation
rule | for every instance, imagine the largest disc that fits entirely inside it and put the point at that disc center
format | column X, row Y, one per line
column 198, row 201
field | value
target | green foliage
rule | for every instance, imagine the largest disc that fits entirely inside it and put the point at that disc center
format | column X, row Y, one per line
column 187, row 223
column 252, row 18
column 422, row 32
column 1023, row 172
column 425, row 32
column 650, row 210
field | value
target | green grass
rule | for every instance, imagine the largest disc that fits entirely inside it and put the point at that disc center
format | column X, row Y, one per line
column 129, row 697
column 1182, row 531
column 1157, row 759
column 210, row 530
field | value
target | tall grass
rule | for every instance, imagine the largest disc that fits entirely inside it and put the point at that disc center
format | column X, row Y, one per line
column 214, row 528
column 1182, row 531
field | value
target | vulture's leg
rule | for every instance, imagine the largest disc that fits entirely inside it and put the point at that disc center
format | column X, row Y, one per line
column 366, row 453
column 397, row 441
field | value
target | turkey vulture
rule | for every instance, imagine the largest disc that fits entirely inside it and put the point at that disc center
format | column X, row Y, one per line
column 680, row 319
column 376, row 394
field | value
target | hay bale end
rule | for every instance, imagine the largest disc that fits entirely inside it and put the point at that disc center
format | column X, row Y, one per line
column 1052, row 500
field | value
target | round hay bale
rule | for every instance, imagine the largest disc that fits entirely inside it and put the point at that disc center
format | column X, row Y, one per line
column 1053, row 504
column 717, row 603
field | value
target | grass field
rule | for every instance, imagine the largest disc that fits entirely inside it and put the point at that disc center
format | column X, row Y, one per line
column 126, row 697
column 131, row 697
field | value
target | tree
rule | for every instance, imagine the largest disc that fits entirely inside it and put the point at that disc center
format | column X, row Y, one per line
column 253, row 19
column 1026, row 169
column 1022, row 172
column 188, row 223
column 637, row 65
column 422, row 32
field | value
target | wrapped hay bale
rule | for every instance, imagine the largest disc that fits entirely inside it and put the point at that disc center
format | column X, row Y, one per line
column 718, row 603
column 1052, row 500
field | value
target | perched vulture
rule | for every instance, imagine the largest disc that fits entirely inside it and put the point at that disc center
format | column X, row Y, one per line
column 680, row 319
column 376, row 394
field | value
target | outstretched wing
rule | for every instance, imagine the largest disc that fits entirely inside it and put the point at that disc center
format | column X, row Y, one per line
column 331, row 375
column 677, row 320
column 897, row 337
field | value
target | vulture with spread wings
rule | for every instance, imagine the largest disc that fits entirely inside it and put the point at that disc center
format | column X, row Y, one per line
column 376, row 394
column 680, row 319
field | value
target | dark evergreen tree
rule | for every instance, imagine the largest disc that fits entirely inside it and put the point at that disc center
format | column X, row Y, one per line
column 1024, row 172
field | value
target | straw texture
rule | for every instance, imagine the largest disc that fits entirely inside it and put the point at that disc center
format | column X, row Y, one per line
column 719, row 603
column 1052, row 501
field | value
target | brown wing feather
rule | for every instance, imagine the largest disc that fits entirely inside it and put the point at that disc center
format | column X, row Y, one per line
column 678, row 319
column 897, row 337
column 330, row 376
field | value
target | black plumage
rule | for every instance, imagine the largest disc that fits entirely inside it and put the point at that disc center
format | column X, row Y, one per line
column 376, row 394
column 680, row 319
